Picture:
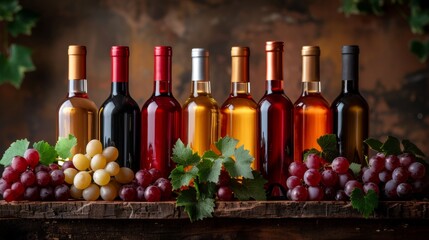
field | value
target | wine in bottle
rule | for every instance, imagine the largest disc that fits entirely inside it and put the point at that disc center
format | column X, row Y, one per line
column 350, row 110
column 275, row 116
column 200, row 111
column 119, row 116
column 239, row 113
column 77, row 114
column 161, row 117
column 312, row 114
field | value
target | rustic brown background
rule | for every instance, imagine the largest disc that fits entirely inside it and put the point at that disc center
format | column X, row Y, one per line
column 393, row 81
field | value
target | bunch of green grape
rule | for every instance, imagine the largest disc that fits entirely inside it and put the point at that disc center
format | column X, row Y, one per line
column 96, row 174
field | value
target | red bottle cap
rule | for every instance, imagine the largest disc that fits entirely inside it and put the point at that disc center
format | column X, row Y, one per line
column 119, row 69
column 162, row 65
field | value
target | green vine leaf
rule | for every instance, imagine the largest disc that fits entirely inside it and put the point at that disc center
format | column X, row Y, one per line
column 23, row 22
column 12, row 69
column 8, row 8
column 17, row 148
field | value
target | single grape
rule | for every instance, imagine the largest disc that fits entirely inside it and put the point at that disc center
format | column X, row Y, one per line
column 125, row 175
column 32, row 156
column 313, row 161
column 224, row 178
column 400, row 175
column 340, row 165
column 19, row 164
column 9, row 195
column 69, row 175
column 289, row 194
column 140, row 193
column 101, row 177
column 108, row 192
column 371, row 186
column 94, row 147
column 43, row 178
column 61, row 192
column 129, row 193
column 225, row 193
column 370, row 176
column 75, row 192
column 404, row 190
column 144, row 178
column 67, row 164
column 385, row 176
column 18, row 188
column 10, row 175
column 352, row 185
column 110, row 153
column 41, row 168
column 4, row 185
column 416, row 170
column 166, row 188
column 312, row 177
column 81, row 162
column 392, row 162
column 341, row 196
column 91, row 193
column 406, row 159
column 152, row 194
column 376, row 163
column 46, row 193
column 32, row 193
column 292, row 182
column 28, row 178
column 156, row 173
column 390, row 189
column 54, row 166
column 299, row 193
column 98, row 162
column 82, row 180
column 112, row 168
column 315, row 193
column 329, row 178
column 343, row 179
column 297, row 169
column 57, row 177
column 330, row 193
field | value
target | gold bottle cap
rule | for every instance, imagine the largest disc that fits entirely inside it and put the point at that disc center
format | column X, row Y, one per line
column 274, row 46
column 240, row 64
column 310, row 64
column 274, row 55
column 77, row 62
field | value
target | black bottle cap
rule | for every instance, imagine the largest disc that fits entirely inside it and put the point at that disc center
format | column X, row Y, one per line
column 350, row 62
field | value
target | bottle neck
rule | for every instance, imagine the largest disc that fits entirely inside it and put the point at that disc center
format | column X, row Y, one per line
column 120, row 88
column 350, row 86
column 200, row 88
column 162, row 75
column 310, row 88
column 240, row 88
column 78, row 88
column 162, row 88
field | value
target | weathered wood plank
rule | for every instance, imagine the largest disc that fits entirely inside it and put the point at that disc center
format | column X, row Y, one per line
column 234, row 209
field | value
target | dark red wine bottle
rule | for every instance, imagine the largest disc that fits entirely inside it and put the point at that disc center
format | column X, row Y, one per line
column 161, row 117
column 119, row 116
column 276, row 116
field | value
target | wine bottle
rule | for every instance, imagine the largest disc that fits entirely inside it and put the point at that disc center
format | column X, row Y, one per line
column 119, row 116
column 77, row 114
column 312, row 114
column 239, row 113
column 276, row 128
column 161, row 117
column 200, row 111
column 350, row 110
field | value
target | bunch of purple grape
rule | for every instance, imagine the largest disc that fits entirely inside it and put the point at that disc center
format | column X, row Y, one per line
column 148, row 185
column 398, row 177
column 26, row 179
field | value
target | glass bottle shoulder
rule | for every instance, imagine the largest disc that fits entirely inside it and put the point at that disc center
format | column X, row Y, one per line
column 310, row 100
column 165, row 102
column 350, row 99
column 278, row 99
column 119, row 103
column 78, row 102
column 205, row 100
column 239, row 101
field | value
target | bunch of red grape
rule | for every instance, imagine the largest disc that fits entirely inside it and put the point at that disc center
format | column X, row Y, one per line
column 315, row 180
column 398, row 177
column 148, row 185
column 26, row 179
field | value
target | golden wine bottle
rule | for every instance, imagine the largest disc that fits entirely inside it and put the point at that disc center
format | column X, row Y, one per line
column 200, row 111
column 312, row 114
column 77, row 114
column 239, row 113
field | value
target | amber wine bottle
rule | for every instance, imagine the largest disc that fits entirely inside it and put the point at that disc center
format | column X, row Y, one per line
column 275, row 116
column 312, row 114
column 350, row 110
column 77, row 114
column 239, row 113
column 200, row 111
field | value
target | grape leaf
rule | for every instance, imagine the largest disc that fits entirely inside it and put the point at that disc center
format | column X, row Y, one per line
column 226, row 146
column 355, row 168
column 329, row 146
column 241, row 165
column 365, row 204
column 12, row 69
column 374, row 144
column 17, row 148
column 249, row 188
column 179, row 177
column 47, row 153
column 420, row 49
column 209, row 170
column 197, row 209
column 207, row 190
column 64, row 146
column 210, row 155
column 8, row 8
column 412, row 148
column 392, row 146
column 22, row 23
column 183, row 154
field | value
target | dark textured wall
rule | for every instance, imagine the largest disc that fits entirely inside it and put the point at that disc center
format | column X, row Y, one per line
column 393, row 81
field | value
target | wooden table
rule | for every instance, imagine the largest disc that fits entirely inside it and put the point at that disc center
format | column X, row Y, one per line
column 232, row 220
